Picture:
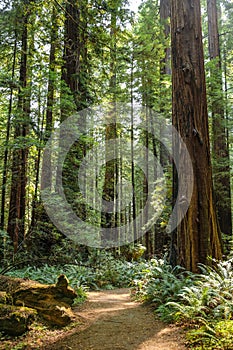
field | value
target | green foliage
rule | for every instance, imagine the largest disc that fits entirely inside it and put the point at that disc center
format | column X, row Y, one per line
column 159, row 284
column 207, row 306
column 101, row 270
column 203, row 302
column 6, row 249
column 218, row 336
column 48, row 275
column 133, row 251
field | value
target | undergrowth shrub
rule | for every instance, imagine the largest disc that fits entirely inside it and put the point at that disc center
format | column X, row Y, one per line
column 216, row 335
column 159, row 283
column 203, row 302
column 100, row 271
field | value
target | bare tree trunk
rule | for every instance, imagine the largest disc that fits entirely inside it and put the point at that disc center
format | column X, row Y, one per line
column 198, row 235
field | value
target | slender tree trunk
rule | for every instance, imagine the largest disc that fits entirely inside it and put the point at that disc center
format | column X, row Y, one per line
column 134, row 212
column 165, row 67
column 146, row 184
column 46, row 168
column 6, row 151
column 165, row 12
column 221, row 168
column 36, row 199
column 198, row 235
column 109, row 217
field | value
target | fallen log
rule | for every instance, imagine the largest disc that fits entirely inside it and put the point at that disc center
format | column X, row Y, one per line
column 52, row 302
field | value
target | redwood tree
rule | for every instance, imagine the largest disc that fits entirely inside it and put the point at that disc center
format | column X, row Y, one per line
column 197, row 236
column 17, row 205
column 221, row 168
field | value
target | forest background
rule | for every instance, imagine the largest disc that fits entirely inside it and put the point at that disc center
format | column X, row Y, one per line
column 61, row 58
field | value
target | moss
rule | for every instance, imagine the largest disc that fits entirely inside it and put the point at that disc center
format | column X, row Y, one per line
column 4, row 298
column 15, row 320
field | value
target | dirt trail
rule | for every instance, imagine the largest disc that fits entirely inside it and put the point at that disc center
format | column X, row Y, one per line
column 112, row 321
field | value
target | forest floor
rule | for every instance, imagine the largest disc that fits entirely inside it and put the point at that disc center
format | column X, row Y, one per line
column 108, row 320
column 112, row 321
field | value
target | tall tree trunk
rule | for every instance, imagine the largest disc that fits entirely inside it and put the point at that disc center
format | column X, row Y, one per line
column 165, row 12
column 165, row 67
column 16, row 221
column 6, row 151
column 198, row 235
column 46, row 168
column 221, row 168
column 71, row 65
column 134, row 212
column 76, row 90
column 109, row 217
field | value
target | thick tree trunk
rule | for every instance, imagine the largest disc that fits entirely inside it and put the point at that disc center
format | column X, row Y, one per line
column 16, row 221
column 73, row 75
column 71, row 65
column 198, row 235
column 221, row 168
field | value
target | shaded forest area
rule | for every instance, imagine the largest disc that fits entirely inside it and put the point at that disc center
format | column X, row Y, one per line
column 58, row 59
column 127, row 119
column 61, row 58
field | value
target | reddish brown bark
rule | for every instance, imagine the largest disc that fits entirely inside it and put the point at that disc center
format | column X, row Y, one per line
column 198, row 234
column 17, row 208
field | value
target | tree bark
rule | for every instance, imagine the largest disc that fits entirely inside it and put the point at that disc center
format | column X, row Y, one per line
column 198, row 235
column 165, row 12
column 6, row 151
column 71, row 57
column 110, row 217
column 17, row 208
column 221, row 167
column 46, row 168
column 73, row 75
